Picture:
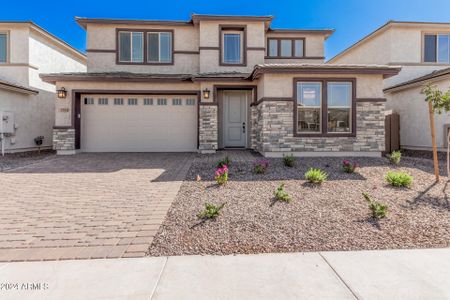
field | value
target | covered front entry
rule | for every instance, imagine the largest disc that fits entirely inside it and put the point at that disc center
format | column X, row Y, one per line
column 138, row 123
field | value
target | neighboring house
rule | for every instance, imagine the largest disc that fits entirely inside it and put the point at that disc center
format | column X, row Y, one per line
column 27, row 104
column 422, row 50
column 216, row 82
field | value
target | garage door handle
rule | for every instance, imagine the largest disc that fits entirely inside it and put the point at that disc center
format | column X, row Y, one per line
column 243, row 127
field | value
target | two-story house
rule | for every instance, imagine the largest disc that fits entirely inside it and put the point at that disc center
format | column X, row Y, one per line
column 216, row 82
column 27, row 104
column 422, row 50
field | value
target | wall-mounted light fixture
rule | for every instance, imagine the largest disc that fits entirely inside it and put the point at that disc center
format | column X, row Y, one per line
column 206, row 93
column 62, row 93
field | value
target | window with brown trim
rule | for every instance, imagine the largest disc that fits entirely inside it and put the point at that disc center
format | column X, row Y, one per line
column 232, row 45
column 325, row 107
column 285, row 47
column 3, row 47
column 159, row 47
column 131, row 46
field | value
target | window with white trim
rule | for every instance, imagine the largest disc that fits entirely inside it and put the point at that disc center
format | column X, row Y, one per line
column 148, row 101
column 132, row 101
column 102, row 101
column 437, row 48
column 162, row 101
column 159, row 47
column 89, row 101
column 118, row 101
column 131, row 46
column 3, row 47
column 190, row 101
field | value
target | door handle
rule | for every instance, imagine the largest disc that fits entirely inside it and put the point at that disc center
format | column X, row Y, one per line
column 243, row 127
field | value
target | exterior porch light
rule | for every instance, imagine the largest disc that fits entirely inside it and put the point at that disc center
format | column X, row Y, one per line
column 62, row 93
column 206, row 93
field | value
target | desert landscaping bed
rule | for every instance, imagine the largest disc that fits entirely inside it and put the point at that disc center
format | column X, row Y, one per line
column 330, row 216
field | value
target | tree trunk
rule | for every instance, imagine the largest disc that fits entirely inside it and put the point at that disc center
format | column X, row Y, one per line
column 433, row 141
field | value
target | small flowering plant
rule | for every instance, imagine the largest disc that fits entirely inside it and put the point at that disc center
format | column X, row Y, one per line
column 221, row 175
column 348, row 166
column 260, row 166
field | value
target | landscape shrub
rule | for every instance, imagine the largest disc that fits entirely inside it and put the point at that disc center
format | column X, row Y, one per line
column 289, row 160
column 224, row 162
column 399, row 179
column 395, row 157
column 281, row 194
column 348, row 166
column 260, row 166
column 221, row 175
column 316, row 175
column 211, row 211
column 379, row 210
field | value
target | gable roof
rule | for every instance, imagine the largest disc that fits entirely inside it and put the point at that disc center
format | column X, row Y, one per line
column 380, row 30
column 58, row 41
column 435, row 75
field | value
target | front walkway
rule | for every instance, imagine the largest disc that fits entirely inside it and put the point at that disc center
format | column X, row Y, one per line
column 397, row 274
column 88, row 205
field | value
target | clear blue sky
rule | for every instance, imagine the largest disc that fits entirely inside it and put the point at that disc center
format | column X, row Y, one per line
column 352, row 19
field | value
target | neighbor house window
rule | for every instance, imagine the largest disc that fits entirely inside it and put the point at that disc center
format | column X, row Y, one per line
column 159, row 47
column 232, row 46
column 148, row 101
column 3, row 47
column 102, row 101
column 118, row 101
column 132, row 101
column 339, row 99
column 286, row 48
column 131, row 46
column 325, row 107
column 437, row 48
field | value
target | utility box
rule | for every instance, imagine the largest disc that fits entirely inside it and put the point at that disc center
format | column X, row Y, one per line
column 6, row 122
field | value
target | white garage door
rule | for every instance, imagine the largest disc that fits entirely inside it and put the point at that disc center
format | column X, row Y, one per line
column 121, row 123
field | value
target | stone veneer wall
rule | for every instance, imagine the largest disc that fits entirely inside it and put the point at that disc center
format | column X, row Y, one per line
column 64, row 139
column 208, row 130
column 274, row 123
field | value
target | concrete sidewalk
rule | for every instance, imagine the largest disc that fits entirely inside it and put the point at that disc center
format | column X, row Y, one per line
column 397, row 274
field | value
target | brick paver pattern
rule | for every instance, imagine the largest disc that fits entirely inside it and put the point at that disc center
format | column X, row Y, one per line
column 85, row 206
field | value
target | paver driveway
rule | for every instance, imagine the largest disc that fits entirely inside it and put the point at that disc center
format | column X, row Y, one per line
column 87, row 205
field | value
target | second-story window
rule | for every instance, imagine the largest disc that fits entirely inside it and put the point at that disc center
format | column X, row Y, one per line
column 131, row 46
column 437, row 48
column 159, row 47
column 232, row 46
column 285, row 48
column 3, row 47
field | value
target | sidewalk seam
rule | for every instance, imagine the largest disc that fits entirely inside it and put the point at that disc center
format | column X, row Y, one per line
column 159, row 278
column 339, row 276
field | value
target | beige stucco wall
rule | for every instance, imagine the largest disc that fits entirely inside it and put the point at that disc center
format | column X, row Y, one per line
column 281, row 85
column 16, row 69
column 414, row 120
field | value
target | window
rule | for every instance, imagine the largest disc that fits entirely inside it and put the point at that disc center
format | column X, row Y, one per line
column 325, row 107
column 286, row 47
column 159, row 47
column 3, row 47
column 190, row 101
column 88, row 101
column 177, row 101
column 232, row 47
column 309, row 102
column 132, row 101
column 118, row 101
column 162, row 101
column 339, row 106
column 437, row 48
column 148, row 101
column 102, row 101
column 131, row 46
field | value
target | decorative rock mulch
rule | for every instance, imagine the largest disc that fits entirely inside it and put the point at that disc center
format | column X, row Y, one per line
column 332, row 216
column 21, row 159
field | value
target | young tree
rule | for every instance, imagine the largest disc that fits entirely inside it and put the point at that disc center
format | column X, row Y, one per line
column 438, row 102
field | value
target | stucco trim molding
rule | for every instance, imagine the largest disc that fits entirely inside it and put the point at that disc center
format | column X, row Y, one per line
column 371, row 99
column 5, row 85
column 101, row 50
column 19, row 65
column 265, row 99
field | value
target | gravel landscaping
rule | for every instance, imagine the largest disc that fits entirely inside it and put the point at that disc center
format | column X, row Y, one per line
column 21, row 159
column 331, row 216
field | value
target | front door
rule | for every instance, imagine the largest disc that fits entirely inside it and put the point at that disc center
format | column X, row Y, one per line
column 235, row 119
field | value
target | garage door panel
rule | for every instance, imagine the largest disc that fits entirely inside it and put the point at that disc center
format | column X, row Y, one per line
column 139, row 128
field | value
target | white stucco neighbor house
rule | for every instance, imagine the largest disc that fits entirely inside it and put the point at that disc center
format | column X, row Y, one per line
column 216, row 82
column 422, row 49
column 27, row 104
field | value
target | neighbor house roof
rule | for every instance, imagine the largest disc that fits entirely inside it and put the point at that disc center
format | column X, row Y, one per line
column 62, row 44
column 196, row 18
column 433, row 76
column 382, row 29
column 7, row 85
column 386, row 71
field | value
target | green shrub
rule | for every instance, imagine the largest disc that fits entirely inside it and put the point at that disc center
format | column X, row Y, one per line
column 395, row 157
column 379, row 210
column 289, row 160
column 211, row 211
column 316, row 175
column 224, row 162
column 399, row 179
column 260, row 166
column 281, row 194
